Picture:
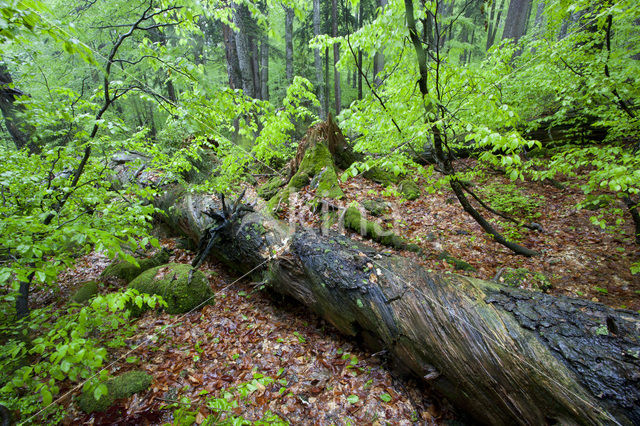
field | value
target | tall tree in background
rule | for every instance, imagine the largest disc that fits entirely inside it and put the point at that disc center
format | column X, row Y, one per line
column 336, row 58
column 515, row 25
column 497, row 7
column 378, row 59
column 288, row 40
column 318, row 62
column 20, row 132
column 244, row 49
column 231, row 53
column 264, row 58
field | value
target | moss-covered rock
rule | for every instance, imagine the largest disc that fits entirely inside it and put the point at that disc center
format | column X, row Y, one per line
column 521, row 277
column 376, row 207
column 270, row 187
column 171, row 281
column 122, row 386
column 409, row 189
column 382, row 176
column 85, row 292
column 458, row 264
column 354, row 220
column 128, row 271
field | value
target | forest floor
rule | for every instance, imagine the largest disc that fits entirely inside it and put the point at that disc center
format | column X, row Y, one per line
column 318, row 376
column 577, row 258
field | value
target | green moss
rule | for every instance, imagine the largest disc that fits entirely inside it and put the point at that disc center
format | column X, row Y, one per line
column 171, row 281
column 375, row 207
column 86, row 291
column 353, row 220
column 271, row 187
column 382, row 176
column 128, row 271
column 316, row 169
column 521, row 277
column 409, row 189
column 122, row 386
column 458, row 264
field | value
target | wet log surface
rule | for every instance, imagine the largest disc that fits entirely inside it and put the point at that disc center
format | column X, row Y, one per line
column 502, row 355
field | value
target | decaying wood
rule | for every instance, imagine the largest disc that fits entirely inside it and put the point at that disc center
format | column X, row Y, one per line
column 502, row 355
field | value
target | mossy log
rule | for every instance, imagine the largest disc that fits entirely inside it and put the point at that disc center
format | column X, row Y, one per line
column 504, row 356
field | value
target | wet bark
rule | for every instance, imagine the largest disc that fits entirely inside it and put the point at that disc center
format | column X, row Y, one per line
column 516, row 21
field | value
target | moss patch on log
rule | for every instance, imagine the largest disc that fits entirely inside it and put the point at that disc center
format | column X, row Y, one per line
column 409, row 189
column 354, row 220
column 128, row 271
column 122, row 386
column 523, row 277
column 270, row 187
column 376, row 207
column 458, row 264
column 171, row 281
column 85, row 292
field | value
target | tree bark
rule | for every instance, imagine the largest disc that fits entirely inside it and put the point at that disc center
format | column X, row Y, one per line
column 378, row 58
column 517, row 17
column 502, row 355
column 264, row 69
column 19, row 130
column 336, row 58
column 318, row 62
column 288, row 37
column 243, row 49
column 231, row 53
column 494, row 24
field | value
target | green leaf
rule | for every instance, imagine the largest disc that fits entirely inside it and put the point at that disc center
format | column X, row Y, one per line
column 47, row 398
column 100, row 391
column 352, row 399
column 385, row 397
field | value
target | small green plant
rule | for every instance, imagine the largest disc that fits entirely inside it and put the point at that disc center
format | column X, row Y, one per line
column 513, row 202
column 68, row 346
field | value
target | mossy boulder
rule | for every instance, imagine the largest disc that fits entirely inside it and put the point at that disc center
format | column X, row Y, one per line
column 270, row 187
column 122, row 386
column 376, row 207
column 382, row 176
column 522, row 277
column 171, row 281
column 354, row 220
column 128, row 271
column 409, row 189
column 458, row 264
column 85, row 292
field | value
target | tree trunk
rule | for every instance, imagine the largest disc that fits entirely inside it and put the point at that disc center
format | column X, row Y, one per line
column 243, row 49
column 378, row 59
column 231, row 53
column 360, row 63
column 504, row 356
column 19, row 130
column 318, row 62
column 264, row 69
column 494, row 24
column 336, row 57
column 288, row 37
column 517, row 17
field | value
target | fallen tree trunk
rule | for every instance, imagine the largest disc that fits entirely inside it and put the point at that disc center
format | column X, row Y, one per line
column 502, row 355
